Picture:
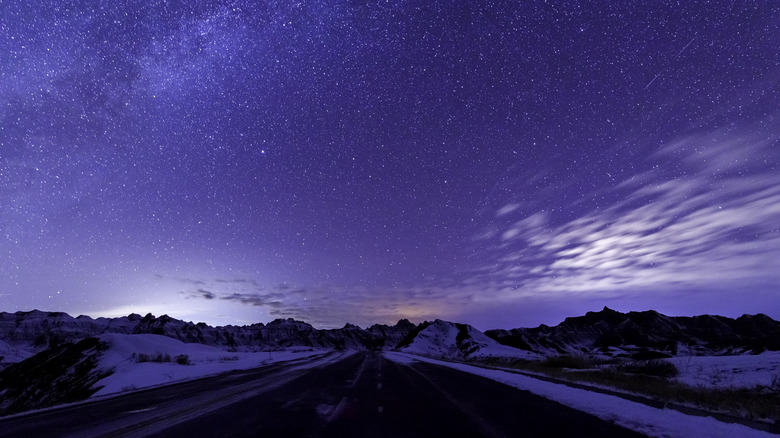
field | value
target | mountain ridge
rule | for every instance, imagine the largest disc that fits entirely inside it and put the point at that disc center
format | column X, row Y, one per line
column 25, row 333
column 647, row 333
column 606, row 332
column 61, row 355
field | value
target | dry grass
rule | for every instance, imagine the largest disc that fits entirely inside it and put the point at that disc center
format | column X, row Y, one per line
column 651, row 379
column 158, row 357
column 571, row 361
column 181, row 359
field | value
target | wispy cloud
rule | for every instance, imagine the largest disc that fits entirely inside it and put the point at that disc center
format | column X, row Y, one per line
column 182, row 280
column 717, row 223
column 256, row 299
column 206, row 294
column 324, row 305
column 712, row 221
column 239, row 281
column 199, row 293
column 330, row 306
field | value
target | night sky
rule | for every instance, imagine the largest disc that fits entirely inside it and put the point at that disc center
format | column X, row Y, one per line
column 502, row 164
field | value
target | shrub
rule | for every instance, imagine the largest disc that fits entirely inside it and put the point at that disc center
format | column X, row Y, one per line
column 650, row 355
column 760, row 402
column 183, row 359
column 573, row 361
column 653, row 367
column 159, row 357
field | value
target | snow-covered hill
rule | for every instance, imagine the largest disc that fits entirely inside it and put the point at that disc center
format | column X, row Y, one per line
column 449, row 340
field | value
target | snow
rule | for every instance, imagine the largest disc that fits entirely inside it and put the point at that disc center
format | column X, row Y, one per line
column 14, row 353
column 440, row 340
column 729, row 371
column 404, row 359
column 498, row 350
column 654, row 422
column 490, row 348
column 204, row 360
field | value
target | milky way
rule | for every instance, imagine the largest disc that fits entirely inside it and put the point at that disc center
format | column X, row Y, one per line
column 496, row 163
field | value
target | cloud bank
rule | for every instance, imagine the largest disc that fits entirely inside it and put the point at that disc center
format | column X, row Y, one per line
column 714, row 224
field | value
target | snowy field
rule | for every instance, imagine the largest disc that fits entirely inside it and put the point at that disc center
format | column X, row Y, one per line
column 729, row 371
column 129, row 374
column 14, row 353
column 654, row 422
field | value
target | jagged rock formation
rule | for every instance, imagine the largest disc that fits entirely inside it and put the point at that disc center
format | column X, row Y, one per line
column 647, row 334
column 392, row 335
column 26, row 333
column 42, row 329
column 48, row 358
column 53, row 358
column 280, row 333
column 64, row 373
column 635, row 334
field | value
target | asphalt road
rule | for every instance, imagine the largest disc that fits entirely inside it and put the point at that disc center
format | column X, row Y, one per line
column 362, row 395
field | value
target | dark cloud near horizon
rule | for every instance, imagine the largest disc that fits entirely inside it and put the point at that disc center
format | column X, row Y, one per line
column 256, row 299
column 199, row 294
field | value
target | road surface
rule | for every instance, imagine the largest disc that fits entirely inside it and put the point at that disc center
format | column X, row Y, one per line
column 357, row 395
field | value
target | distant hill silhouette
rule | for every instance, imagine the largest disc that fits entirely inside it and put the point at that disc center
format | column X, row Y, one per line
column 647, row 333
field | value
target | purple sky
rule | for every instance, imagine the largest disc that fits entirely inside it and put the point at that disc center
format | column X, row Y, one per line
column 503, row 164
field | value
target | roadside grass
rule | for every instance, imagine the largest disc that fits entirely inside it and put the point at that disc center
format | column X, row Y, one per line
column 181, row 359
column 653, row 379
column 158, row 357
column 571, row 361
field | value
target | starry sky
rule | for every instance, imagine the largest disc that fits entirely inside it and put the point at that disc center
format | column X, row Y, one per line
column 498, row 163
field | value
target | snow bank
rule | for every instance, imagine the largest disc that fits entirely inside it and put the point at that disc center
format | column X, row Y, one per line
column 498, row 350
column 204, row 360
column 651, row 421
